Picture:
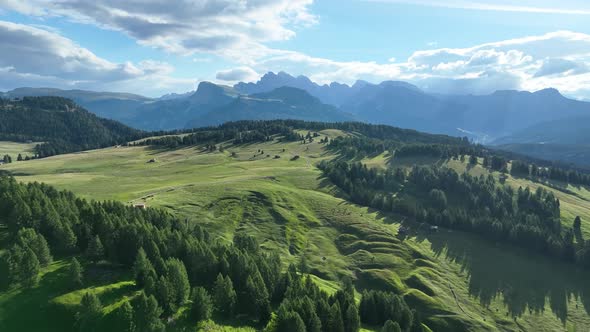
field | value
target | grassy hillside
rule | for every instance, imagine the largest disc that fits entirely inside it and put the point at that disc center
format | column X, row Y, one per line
column 458, row 280
column 13, row 149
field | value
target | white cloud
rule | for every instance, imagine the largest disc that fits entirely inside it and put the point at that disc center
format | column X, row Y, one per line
column 223, row 27
column 558, row 59
column 240, row 74
column 36, row 57
column 240, row 32
column 567, row 7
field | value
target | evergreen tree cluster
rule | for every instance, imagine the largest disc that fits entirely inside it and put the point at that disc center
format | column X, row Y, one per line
column 61, row 124
column 534, row 172
column 306, row 307
column 174, row 263
column 377, row 308
column 439, row 196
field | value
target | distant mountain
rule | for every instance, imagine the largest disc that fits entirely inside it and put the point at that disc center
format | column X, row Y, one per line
column 175, row 113
column 566, row 140
column 333, row 94
column 482, row 118
column 578, row 154
column 572, row 130
column 505, row 112
column 403, row 105
column 61, row 124
column 281, row 103
column 170, row 96
column 111, row 105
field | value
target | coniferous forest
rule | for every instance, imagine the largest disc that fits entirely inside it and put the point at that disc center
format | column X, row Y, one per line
column 174, row 265
column 181, row 270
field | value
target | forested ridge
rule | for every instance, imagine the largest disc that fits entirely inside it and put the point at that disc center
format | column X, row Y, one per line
column 441, row 197
column 62, row 125
column 175, row 265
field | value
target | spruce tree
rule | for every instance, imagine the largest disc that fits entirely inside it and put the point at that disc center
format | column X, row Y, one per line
column 201, row 305
column 224, row 296
column 391, row 326
column 29, row 268
column 577, row 223
column 76, row 274
column 142, row 269
column 146, row 314
column 335, row 323
column 165, row 295
column 95, row 250
column 178, row 279
column 90, row 313
column 125, row 322
column 289, row 321
column 29, row 238
column 351, row 319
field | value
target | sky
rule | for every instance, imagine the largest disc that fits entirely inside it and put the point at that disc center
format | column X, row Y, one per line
column 155, row 47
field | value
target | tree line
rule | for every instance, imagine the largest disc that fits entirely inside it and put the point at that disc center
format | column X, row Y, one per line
column 62, row 125
column 439, row 196
column 175, row 264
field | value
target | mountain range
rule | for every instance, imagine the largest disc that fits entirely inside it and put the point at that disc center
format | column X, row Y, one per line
column 505, row 118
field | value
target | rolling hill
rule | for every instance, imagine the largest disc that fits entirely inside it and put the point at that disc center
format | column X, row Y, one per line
column 62, row 125
column 455, row 278
column 110, row 105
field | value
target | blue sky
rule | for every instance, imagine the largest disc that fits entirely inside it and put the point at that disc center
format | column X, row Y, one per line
column 154, row 47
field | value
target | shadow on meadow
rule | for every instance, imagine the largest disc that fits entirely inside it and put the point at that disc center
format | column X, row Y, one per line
column 30, row 310
column 526, row 282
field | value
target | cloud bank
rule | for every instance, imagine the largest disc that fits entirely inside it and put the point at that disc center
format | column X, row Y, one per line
column 223, row 27
column 240, row 32
column 32, row 56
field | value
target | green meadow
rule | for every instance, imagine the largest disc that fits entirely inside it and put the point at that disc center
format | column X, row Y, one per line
column 13, row 149
column 461, row 281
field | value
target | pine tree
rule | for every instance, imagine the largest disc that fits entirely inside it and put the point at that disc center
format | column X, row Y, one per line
column 76, row 274
column 351, row 319
column 4, row 272
column 29, row 238
column 142, row 269
column 95, row 250
column 125, row 322
column 201, row 305
column 147, row 314
column 42, row 251
column 577, row 223
column 20, row 157
column 289, row 321
column 90, row 313
column 303, row 264
column 29, row 268
column 165, row 295
column 224, row 296
column 178, row 279
column 258, row 296
column 391, row 326
column 335, row 323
